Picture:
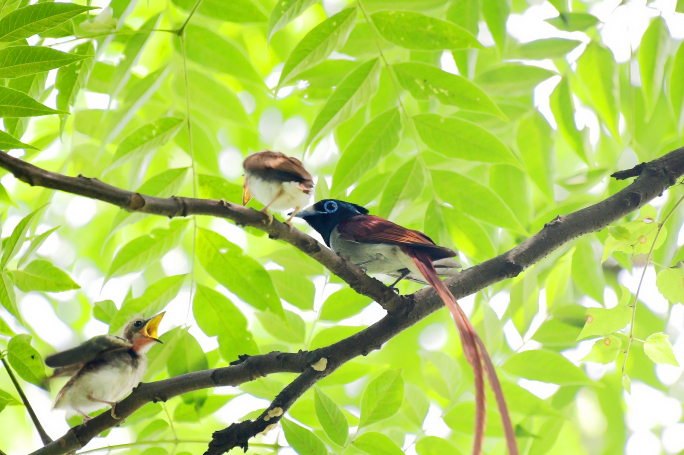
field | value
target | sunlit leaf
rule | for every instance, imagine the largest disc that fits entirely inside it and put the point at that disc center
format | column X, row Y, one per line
column 8, row 142
column 25, row 360
column 545, row 366
column 456, row 138
column 13, row 244
column 433, row 445
column 285, row 12
column 41, row 275
column 495, row 13
column 598, row 71
column 319, row 43
column 574, row 22
column 296, row 289
column 658, row 348
column 353, row 92
column 417, row 31
column 14, row 103
column 382, row 398
column 343, row 304
column 302, row 440
column 331, row 418
column 604, row 351
column 145, row 139
column 402, row 187
column 653, row 54
column 33, row 19
column 373, row 443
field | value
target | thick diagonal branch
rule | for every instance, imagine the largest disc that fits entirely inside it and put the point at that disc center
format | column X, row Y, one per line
column 653, row 179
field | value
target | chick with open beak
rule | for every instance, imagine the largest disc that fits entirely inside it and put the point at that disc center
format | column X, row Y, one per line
column 105, row 368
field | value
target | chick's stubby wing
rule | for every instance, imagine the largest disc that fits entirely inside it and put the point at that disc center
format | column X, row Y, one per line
column 86, row 352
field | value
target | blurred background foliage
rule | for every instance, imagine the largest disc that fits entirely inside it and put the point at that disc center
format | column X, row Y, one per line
column 476, row 121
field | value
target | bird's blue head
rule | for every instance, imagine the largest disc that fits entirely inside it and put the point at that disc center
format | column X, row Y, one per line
column 325, row 214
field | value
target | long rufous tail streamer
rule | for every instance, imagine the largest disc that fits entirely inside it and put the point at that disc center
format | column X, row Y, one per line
column 475, row 352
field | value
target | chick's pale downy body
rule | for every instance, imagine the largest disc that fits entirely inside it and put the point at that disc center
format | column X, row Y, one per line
column 276, row 180
column 104, row 368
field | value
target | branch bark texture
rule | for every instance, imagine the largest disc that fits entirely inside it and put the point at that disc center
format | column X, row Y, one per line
column 403, row 311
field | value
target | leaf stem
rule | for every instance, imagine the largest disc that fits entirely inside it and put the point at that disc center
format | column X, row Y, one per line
column 641, row 280
column 181, row 30
column 114, row 33
column 43, row 435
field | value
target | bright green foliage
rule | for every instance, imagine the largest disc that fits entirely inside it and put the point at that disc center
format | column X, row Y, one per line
column 472, row 121
column 25, row 360
column 657, row 347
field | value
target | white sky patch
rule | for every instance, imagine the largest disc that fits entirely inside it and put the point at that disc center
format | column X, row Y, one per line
column 230, row 163
column 541, row 389
column 649, row 293
column 294, row 132
column 433, row 337
column 80, row 211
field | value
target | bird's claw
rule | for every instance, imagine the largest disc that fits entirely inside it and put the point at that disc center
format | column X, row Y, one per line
column 223, row 202
column 113, row 412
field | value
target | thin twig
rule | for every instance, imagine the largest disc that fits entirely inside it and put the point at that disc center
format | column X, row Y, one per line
column 43, row 435
column 181, row 30
column 641, row 280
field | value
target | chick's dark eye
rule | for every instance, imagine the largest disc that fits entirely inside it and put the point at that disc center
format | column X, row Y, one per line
column 330, row 206
column 137, row 324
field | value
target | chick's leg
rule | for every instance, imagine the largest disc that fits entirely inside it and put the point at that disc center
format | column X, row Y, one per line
column 110, row 403
column 265, row 209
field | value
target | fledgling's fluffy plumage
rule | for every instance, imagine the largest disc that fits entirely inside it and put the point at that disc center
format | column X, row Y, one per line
column 104, row 368
column 278, row 181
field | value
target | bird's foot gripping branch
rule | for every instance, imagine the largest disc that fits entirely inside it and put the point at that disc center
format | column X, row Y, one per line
column 653, row 178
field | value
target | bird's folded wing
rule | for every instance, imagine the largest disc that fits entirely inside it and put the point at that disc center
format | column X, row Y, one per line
column 373, row 229
column 86, row 351
column 281, row 166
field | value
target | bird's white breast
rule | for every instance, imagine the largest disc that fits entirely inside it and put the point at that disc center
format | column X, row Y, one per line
column 105, row 383
column 265, row 191
column 384, row 258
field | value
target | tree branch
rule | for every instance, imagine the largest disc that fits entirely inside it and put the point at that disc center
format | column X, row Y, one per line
column 654, row 178
column 41, row 431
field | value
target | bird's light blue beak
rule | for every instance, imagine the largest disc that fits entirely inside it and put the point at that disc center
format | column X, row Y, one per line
column 306, row 213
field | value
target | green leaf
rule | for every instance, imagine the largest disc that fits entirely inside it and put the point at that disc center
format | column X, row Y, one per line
column 7, row 400
column 145, row 250
column 587, row 271
column 496, row 13
column 474, row 199
column 73, row 78
column 545, row 366
column 374, row 142
column 598, row 71
column 373, row 443
column 155, row 298
column 627, row 383
column 41, row 275
column 145, row 139
column 563, row 108
column 512, row 79
column 163, row 185
column 296, row 289
column 8, row 298
column 18, row 61
column 604, row 351
column 13, row 244
column 535, row 143
column 353, row 92
column 238, row 11
column 653, row 54
column 420, row 32
column 318, row 44
column 239, row 273
column 188, row 413
column 290, row 328
column 219, row 53
column 104, row 311
column 677, row 85
column 14, row 103
column 284, row 12
column 213, row 100
column 331, row 335
column 33, row 19
column 548, row 48
column 187, row 356
column 441, row 372
column 25, row 359
column 5, row 329
column 670, row 283
column 416, row 404
column 424, row 81
column 602, row 321
column 402, row 188
column 8, row 142
column 382, row 398
column 35, row 244
column 303, row 441
column 574, row 22
column 211, row 187
column 521, row 401
column 343, row 304
column 460, row 418
column 217, row 315
column 456, row 138
column 331, row 418
column 658, row 348
column 433, row 445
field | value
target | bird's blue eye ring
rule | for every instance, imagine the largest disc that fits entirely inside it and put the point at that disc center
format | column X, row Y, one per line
column 138, row 323
column 330, row 206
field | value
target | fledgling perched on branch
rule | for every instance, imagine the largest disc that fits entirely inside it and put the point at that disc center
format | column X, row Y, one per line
column 381, row 246
column 104, row 368
column 278, row 181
